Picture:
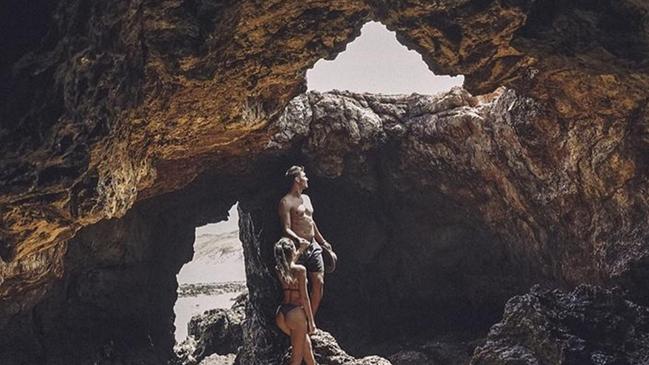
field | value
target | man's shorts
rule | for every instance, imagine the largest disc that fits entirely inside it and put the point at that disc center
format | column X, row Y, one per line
column 312, row 258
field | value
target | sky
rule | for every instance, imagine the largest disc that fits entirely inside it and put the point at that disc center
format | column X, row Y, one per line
column 376, row 62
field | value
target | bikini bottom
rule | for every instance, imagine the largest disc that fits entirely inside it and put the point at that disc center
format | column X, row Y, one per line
column 287, row 307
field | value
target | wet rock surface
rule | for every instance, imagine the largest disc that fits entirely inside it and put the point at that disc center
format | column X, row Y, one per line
column 589, row 325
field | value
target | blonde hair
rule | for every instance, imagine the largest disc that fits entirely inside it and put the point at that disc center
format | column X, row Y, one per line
column 283, row 256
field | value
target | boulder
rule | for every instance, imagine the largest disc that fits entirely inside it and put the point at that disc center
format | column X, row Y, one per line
column 327, row 352
column 589, row 325
column 216, row 331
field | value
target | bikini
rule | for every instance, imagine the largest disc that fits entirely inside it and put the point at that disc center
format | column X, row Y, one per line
column 287, row 307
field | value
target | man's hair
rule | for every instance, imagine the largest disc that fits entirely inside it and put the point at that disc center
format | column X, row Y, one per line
column 293, row 172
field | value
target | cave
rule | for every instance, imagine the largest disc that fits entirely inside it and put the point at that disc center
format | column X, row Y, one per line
column 125, row 126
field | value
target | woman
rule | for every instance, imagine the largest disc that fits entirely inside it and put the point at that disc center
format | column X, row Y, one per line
column 294, row 316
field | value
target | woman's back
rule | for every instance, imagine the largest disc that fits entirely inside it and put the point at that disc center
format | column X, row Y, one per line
column 291, row 290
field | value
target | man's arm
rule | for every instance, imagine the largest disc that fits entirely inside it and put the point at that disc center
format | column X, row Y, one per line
column 285, row 216
column 319, row 238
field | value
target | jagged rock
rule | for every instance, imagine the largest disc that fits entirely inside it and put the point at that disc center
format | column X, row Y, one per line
column 216, row 331
column 589, row 325
column 109, row 105
column 327, row 352
column 169, row 110
column 471, row 242
column 410, row 358
column 441, row 351
column 218, row 360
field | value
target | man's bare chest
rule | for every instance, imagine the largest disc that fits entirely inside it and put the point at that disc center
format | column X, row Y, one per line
column 302, row 210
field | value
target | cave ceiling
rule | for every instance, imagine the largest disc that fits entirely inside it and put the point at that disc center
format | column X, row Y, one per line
column 105, row 104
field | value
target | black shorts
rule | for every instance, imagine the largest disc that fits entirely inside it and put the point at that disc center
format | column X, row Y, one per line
column 312, row 258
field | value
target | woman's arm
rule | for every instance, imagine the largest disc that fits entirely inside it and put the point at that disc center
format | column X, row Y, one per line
column 306, row 302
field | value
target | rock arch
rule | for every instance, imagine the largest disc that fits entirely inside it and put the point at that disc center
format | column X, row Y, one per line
column 114, row 108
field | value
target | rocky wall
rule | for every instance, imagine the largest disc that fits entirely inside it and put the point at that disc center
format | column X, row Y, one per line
column 588, row 325
column 114, row 305
column 105, row 106
column 440, row 208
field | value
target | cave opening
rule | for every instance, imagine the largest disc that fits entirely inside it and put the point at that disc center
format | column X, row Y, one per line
column 130, row 125
column 376, row 62
column 403, row 244
column 410, row 256
column 416, row 261
column 215, row 276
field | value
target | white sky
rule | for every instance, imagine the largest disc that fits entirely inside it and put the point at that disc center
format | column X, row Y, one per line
column 376, row 62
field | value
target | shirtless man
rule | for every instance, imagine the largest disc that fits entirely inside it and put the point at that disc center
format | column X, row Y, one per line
column 296, row 214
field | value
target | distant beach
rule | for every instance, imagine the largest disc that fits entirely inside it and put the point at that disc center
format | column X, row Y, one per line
column 196, row 299
column 214, row 277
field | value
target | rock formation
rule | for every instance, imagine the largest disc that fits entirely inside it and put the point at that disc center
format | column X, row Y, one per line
column 218, row 360
column 216, row 331
column 327, row 352
column 446, row 350
column 219, row 332
column 124, row 125
column 589, row 325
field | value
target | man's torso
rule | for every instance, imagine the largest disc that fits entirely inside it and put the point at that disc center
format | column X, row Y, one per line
column 301, row 212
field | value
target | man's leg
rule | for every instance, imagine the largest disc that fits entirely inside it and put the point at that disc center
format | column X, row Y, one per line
column 317, row 290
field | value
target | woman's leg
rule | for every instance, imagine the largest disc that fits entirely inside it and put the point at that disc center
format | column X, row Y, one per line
column 297, row 344
column 308, row 352
column 281, row 323
column 296, row 322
